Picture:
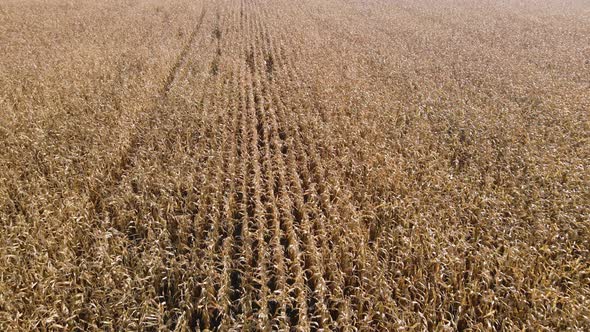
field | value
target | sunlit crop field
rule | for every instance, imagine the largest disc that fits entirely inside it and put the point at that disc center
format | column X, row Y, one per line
column 262, row 165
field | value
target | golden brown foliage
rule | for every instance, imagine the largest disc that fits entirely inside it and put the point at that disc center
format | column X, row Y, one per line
column 270, row 164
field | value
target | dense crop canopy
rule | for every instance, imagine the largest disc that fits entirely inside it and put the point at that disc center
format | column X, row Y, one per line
column 294, row 165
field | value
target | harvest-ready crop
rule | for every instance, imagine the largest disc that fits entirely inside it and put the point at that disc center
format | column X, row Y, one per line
column 333, row 165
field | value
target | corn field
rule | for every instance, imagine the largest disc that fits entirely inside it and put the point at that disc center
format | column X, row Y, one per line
column 274, row 165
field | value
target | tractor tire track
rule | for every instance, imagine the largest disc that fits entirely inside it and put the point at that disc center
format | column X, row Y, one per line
column 102, row 190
